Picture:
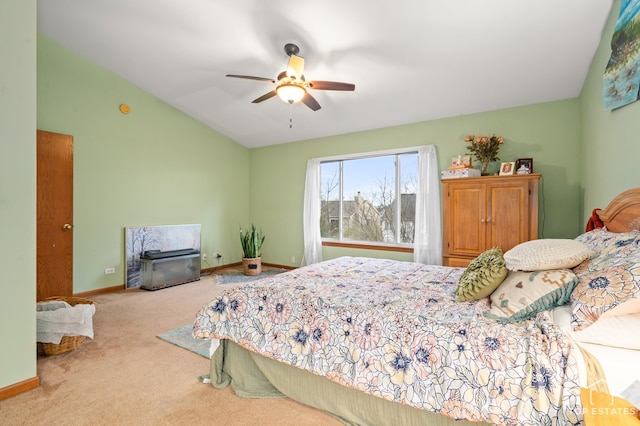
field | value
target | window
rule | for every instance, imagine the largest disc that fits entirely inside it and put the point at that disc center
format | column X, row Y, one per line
column 369, row 198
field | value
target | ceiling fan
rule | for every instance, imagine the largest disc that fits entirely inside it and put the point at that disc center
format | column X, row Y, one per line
column 291, row 84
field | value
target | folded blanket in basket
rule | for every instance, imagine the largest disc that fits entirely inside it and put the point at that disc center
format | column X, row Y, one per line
column 57, row 319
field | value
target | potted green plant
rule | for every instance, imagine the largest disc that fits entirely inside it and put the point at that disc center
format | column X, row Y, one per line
column 251, row 240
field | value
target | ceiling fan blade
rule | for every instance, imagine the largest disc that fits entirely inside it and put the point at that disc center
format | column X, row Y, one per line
column 295, row 67
column 331, row 85
column 310, row 101
column 264, row 97
column 250, row 77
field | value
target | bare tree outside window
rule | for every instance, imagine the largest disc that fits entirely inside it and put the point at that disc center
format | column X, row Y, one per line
column 330, row 211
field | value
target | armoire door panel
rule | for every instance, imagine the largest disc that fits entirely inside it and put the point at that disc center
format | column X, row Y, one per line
column 509, row 223
column 467, row 219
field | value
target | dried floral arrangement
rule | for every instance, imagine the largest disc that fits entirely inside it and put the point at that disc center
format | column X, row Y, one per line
column 484, row 148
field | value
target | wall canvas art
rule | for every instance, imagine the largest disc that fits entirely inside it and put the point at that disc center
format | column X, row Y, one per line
column 622, row 74
column 138, row 239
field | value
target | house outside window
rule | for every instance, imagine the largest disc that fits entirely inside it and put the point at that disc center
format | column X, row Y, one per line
column 369, row 199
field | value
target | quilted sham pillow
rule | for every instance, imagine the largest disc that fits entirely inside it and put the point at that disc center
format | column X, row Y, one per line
column 550, row 253
column 482, row 276
column 609, row 291
column 523, row 294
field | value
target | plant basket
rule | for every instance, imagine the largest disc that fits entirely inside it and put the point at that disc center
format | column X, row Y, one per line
column 252, row 266
column 68, row 343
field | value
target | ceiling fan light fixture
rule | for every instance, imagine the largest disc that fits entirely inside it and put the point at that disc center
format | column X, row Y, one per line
column 291, row 85
column 290, row 93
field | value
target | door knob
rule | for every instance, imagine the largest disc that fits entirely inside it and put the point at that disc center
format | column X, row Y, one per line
column 67, row 226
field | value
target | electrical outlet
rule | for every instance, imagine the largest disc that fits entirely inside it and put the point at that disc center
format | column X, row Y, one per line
column 108, row 271
column 293, row 259
column 217, row 256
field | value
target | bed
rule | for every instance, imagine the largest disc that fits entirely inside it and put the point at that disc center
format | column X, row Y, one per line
column 376, row 341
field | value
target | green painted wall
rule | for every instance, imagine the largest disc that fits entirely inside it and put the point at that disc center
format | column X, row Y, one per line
column 154, row 166
column 610, row 143
column 17, row 191
column 549, row 133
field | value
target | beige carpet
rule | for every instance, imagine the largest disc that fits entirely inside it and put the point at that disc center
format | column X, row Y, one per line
column 127, row 376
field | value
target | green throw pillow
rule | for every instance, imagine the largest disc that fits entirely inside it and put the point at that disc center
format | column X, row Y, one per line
column 482, row 276
column 523, row 294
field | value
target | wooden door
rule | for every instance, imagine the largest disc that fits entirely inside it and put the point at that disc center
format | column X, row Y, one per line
column 508, row 220
column 464, row 220
column 54, row 234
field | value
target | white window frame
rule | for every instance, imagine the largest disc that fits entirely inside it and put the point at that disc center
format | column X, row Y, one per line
column 408, row 247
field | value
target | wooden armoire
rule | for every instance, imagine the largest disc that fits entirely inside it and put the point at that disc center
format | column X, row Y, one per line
column 485, row 212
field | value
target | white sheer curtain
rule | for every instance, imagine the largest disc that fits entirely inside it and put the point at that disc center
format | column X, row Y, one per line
column 311, row 214
column 428, row 230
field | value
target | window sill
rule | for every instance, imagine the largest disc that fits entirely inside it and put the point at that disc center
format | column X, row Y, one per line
column 368, row 246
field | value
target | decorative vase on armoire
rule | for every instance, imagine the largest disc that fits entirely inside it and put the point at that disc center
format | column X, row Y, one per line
column 484, row 167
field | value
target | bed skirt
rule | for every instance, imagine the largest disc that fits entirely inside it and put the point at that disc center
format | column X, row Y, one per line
column 254, row 376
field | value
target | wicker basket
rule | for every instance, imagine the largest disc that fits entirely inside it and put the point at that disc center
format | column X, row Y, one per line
column 68, row 343
column 252, row 265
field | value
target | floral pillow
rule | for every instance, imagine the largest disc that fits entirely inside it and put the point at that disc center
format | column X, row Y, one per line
column 600, row 238
column 611, row 249
column 606, row 291
column 482, row 276
column 523, row 294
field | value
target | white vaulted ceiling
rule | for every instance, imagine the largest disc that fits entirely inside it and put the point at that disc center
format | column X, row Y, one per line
column 410, row 60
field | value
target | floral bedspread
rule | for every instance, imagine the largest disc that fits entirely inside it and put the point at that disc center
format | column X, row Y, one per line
column 395, row 330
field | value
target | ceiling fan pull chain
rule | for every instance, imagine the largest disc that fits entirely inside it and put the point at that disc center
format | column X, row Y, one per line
column 291, row 116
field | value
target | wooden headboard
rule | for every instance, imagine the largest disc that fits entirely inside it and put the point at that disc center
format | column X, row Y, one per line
column 623, row 212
